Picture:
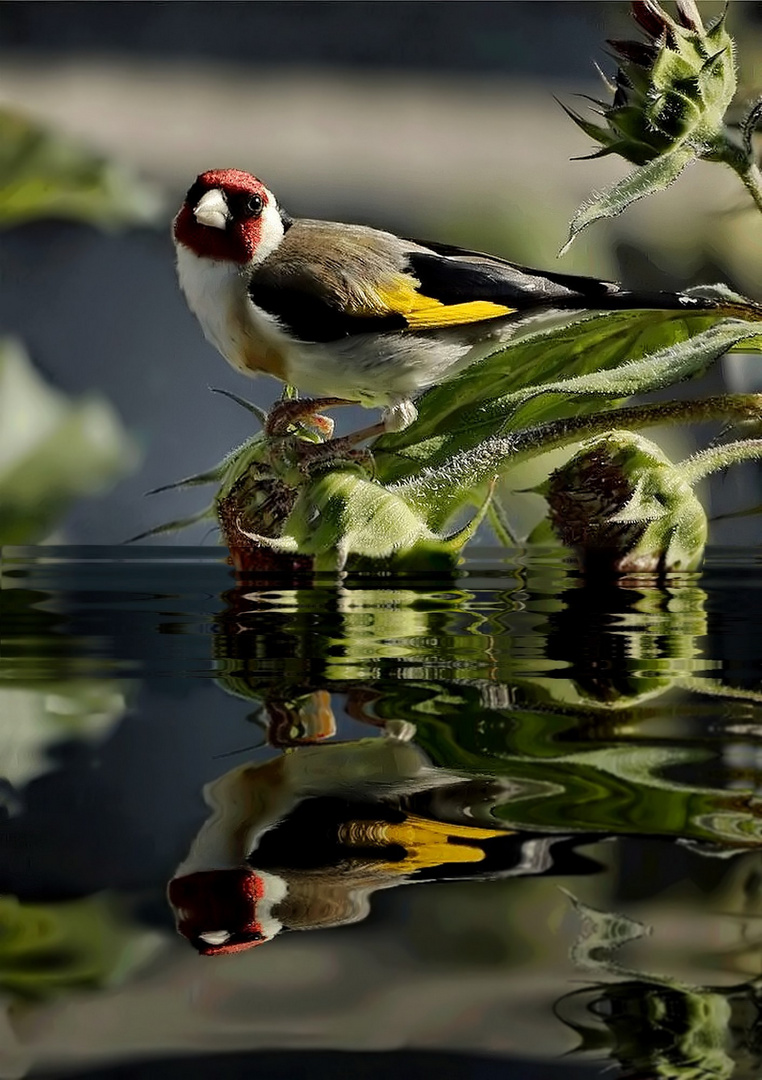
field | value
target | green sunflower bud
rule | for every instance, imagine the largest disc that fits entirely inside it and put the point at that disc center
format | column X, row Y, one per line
column 675, row 87
column 341, row 515
column 671, row 93
column 255, row 498
column 625, row 508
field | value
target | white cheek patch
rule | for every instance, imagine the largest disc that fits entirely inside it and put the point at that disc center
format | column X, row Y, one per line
column 275, row 890
column 271, row 231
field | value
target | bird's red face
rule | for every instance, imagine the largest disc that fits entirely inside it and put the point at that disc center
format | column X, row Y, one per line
column 230, row 215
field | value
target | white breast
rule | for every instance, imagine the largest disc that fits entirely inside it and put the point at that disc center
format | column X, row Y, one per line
column 209, row 286
column 217, row 295
column 377, row 370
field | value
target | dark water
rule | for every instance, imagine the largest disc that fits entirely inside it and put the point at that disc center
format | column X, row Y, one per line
column 214, row 792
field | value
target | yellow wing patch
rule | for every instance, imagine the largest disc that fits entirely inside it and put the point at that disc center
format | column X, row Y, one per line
column 424, row 313
column 436, row 313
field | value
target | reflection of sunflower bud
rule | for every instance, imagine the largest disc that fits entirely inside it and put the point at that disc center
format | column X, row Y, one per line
column 667, row 1032
column 625, row 507
column 674, row 88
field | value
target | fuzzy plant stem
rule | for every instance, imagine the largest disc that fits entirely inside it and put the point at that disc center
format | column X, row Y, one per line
column 741, row 161
column 738, row 407
column 719, row 457
column 443, row 487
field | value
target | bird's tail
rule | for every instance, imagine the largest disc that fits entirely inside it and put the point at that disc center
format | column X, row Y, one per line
column 547, row 288
column 589, row 294
column 617, row 299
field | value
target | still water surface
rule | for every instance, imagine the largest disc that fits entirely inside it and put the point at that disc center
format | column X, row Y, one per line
column 214, row 792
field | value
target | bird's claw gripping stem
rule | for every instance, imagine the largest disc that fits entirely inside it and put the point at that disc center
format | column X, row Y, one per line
column 313, row 456
column 310, row 455
column 305, row 410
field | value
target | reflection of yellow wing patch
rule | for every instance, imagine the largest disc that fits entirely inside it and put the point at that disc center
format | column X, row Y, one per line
column 427, row 843
column 423, row 313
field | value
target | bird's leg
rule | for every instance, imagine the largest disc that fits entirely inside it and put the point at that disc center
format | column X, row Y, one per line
column 285, row 413
column 371, row 432
column 395, row 417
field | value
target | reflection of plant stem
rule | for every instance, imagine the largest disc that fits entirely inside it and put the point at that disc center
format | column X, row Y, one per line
column 699, row 684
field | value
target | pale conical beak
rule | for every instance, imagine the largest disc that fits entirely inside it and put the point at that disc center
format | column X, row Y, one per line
column 215, row 937
column 212, row 210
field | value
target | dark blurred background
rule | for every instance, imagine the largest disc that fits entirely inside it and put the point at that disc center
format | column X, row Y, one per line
column 434, row 118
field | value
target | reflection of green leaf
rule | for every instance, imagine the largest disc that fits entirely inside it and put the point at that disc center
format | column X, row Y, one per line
column 43, row 174
column 45, row 948
column 618, row 783
column 51, row 450
column 601, row 933
column 659, row 1028
column 657, row 1025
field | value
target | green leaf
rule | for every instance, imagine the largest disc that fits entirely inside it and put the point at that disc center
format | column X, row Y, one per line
column 47, row 949
column 668, row 366
column 168, row 527
column 44, row 174
column 648, row 179
column 597, row 132
column 341, row 514
column 545, row 376
column 34, row 715
column 437, row 490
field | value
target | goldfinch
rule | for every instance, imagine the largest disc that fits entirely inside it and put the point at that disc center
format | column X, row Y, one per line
column 352, row 313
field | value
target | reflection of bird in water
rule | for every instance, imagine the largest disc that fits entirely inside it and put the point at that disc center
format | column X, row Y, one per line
column 325, row 827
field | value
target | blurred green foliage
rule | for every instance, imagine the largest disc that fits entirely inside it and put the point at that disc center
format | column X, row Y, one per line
column 43, row 174
column 53, row 450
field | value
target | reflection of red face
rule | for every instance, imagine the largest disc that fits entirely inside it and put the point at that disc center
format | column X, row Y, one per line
column 216, row 910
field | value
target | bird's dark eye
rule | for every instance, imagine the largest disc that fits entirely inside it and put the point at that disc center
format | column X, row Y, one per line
column 255, row 205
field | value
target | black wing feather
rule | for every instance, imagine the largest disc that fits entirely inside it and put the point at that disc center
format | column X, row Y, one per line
column 310, row 318
column 455, row 275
